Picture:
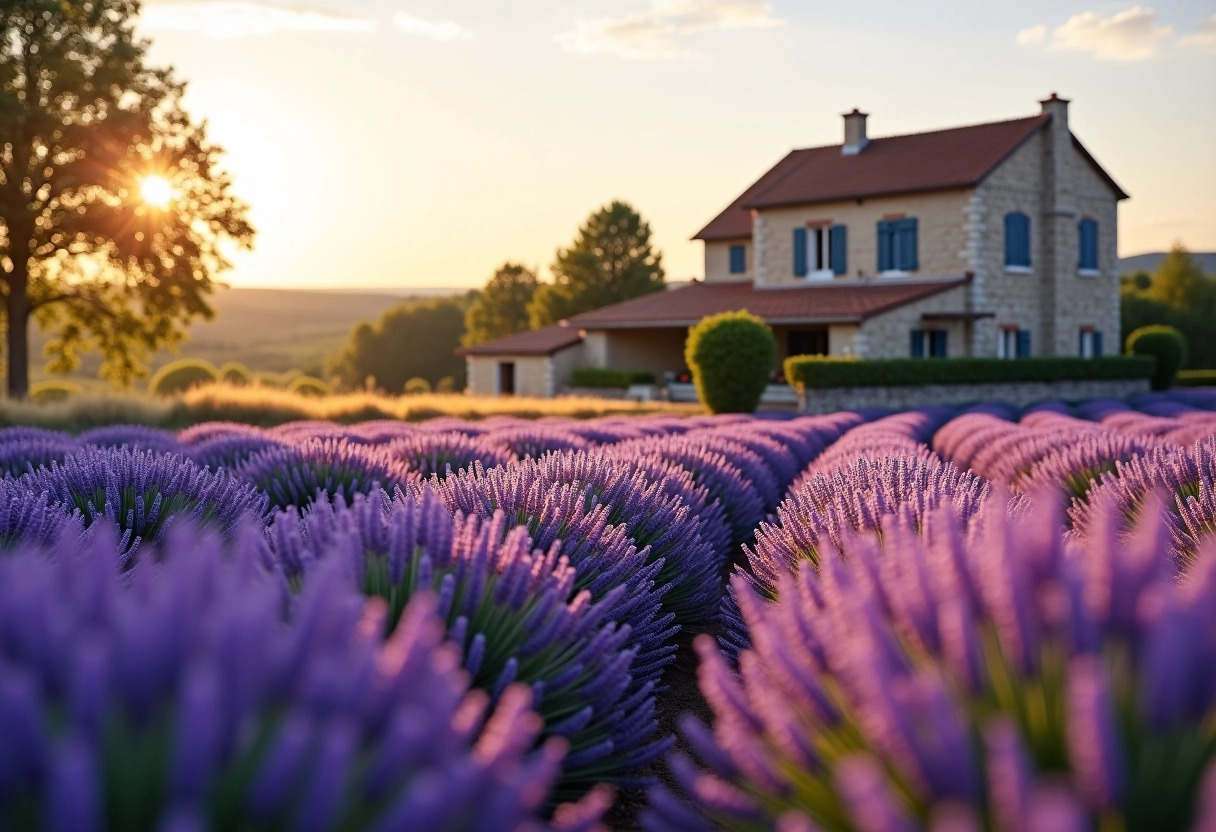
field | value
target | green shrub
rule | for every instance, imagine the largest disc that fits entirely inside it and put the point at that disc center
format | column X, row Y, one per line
column 1196, row 378
column 179, row 376
column 1164, row 343
column 813, row 371
column 236, row 374
column 44, row 392
column 731, row 356
column 308, row 386
column 447, row 384
column 608, row 377
column 417, row 386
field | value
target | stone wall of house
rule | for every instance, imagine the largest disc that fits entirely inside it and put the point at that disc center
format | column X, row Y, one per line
column 941, row 237
column 832, row 399
column 889, row 335
column 533, row 374
column 717, row 260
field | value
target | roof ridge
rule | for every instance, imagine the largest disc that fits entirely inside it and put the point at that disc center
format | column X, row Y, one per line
column 1036, row 117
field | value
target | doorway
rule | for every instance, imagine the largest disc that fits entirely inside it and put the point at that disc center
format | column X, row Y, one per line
column 812, row 341
column 506, row 378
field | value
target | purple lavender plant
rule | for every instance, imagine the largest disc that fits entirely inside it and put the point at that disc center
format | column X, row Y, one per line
column 132, row 436
column 33, row 520
column 20, row 456
column 534, row 442
column 780, row 463
column 1004, row 677
column 512, row 611
column 656, row 520
column 293, row 475
column 230, row 450
column 139, row 492
column 206, row 431
column 180, row 697
column 442, row 454
column 1074, row 466
column 603, row 556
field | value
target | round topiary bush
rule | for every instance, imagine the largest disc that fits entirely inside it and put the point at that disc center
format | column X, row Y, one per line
column 447, row 384
column 45, row 392
column 309, row 386
column 180, row 376
column 1163, row 343
column 236, row 374
column 731, row 356
column 417, row 386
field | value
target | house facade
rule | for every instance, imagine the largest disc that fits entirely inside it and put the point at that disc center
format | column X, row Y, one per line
column 994, row 240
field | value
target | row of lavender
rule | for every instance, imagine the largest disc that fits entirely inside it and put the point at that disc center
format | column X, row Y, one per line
column 912, row 645
column 183, row 642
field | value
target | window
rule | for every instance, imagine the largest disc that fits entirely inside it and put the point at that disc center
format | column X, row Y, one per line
column 1090, row 345
column 820, row 251
column 929, row 342
column 1017, row 241
column 808, row 341
column 1087, row 238
column 897, row 245
column 738, row 259
column 1013, row 343
column 506, row 378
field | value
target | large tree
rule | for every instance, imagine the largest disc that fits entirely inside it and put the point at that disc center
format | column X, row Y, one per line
column 502, row 308
column 611, row 260
column 114, row 213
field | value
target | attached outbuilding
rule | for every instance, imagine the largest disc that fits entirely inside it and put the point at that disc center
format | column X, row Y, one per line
column 536, row 363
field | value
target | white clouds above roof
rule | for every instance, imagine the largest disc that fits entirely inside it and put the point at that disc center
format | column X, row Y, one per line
column 661, row 31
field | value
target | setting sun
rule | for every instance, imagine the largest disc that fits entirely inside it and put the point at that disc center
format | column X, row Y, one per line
column 156, row 191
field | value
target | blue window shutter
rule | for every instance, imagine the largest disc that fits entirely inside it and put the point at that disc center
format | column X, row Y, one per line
column 800, row 252
column 1087, row 232
column 918, row 343
column 939, row 343
column 1082, row 234
column 1011, row 257
column 738, row 259
column 1023, row 343
column 908, row 260
column 1097, row 344
column 1017, row 239
column 886, row 240
column 1026, row 258
column 839, row 244
column 1081, row 343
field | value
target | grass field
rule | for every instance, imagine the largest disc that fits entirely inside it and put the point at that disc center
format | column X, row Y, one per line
column 269, row 406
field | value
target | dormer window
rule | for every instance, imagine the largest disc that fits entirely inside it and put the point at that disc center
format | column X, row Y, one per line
column 897, row 246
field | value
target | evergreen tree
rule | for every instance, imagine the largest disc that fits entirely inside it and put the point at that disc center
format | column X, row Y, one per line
column 502, row 308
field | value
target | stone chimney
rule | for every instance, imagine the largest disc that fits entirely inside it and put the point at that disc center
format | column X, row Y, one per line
column 855, row 139
column 1057, row 240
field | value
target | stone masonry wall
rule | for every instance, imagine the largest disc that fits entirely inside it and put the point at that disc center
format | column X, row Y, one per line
column 889, row 335
column 832, row 399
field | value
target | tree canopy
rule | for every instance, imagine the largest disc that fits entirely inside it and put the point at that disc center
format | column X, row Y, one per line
column 502, row 308
column 413, row 340
column 115, row 216
column 610, row 260
column 1179, row 295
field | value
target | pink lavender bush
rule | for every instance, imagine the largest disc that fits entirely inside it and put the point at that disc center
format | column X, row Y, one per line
column 188, row 696
column 512, row 611
column 952, row 682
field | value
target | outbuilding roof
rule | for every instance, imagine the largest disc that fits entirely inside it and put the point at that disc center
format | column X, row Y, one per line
column 958, row 157
column 544, row 341
column 842, row 301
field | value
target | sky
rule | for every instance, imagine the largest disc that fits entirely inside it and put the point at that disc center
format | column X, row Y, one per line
column 421, row 143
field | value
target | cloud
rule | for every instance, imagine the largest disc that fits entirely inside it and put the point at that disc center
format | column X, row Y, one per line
column 658, row 32
column 1204, row 37
column 1130, row 35
column 435, row 29
column 245, row 18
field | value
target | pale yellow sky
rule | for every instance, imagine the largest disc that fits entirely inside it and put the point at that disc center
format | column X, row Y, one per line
column 419, row 144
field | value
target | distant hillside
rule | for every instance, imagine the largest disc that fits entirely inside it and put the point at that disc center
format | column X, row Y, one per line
column 270, row 330
column 1150, row 261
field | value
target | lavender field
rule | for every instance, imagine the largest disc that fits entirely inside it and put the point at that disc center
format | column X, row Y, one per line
column 950, row 619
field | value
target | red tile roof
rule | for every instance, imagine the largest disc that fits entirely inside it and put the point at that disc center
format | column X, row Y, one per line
column 959, row 157
column 544, row 341
column 843, row 301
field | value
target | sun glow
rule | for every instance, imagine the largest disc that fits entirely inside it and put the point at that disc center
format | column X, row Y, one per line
column 156, row 191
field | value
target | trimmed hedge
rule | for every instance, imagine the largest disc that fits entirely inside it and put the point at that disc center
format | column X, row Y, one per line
column 1196, row 378
column 813, row 371
column 1164, row 343
column 609, row 377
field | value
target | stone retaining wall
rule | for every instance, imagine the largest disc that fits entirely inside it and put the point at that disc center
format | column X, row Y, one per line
column 831, row 399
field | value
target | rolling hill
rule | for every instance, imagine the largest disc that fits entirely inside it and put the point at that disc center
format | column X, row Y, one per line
column 1149, row 262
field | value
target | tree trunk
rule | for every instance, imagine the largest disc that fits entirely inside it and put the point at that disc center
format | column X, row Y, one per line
column 17, row 309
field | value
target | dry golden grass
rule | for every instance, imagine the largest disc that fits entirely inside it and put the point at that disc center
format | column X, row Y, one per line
column 271, row 406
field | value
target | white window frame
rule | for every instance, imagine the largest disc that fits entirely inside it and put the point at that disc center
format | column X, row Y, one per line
column 1007, row 343
column 1087, row 343
column 819, row 251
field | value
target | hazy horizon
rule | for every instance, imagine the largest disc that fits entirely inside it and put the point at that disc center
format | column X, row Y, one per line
column 388, row 144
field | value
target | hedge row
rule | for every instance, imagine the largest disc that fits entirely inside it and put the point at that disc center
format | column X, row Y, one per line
column 1196, row 378
column 606, row 377
column 813, row 371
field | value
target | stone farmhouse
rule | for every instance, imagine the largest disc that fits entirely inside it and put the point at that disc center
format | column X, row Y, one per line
column 989, row 240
